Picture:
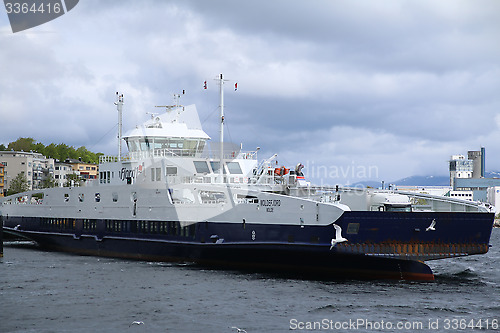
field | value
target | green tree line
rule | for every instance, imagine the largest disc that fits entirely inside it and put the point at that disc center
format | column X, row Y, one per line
column 60, row 151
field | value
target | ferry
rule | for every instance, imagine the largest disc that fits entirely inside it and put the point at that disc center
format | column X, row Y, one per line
column 170, row 198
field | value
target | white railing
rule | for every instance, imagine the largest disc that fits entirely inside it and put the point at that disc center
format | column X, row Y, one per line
column 141, row 155
column 107, row 159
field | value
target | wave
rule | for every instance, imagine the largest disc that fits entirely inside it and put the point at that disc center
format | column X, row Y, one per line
column 466, row 276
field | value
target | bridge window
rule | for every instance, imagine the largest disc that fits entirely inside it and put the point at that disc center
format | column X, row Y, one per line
column 215, row 167
column 201, row 167
column 234, row 168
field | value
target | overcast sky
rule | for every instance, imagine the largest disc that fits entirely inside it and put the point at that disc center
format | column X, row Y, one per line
column 351, row 89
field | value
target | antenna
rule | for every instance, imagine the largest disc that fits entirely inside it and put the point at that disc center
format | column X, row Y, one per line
column 119, row 107
column 177, row 106
column 221, row 153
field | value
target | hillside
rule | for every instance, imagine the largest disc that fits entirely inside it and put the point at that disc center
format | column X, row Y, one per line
column 422, row 180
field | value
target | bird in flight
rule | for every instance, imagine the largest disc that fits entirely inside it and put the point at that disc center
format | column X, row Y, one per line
column 338, row 236
column 432, row 226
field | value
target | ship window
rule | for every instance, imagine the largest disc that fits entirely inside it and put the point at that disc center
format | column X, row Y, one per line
column 133, row 145
column 37, row 198
column 397, row 208
column 80, row 197
column 115, row 197
column 190, row 145
column 212, row 197
column 314, row 239
column 192, row 230
column 234, row 168
column 215, row 167
column 201, row 146
column 97, row 197
column 155, row 174
column 171, row 170
column 66, row 197
column 201, row 167
column 353, row 228
column 144, row 144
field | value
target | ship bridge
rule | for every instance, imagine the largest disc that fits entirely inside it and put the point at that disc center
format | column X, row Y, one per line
column 177, row 132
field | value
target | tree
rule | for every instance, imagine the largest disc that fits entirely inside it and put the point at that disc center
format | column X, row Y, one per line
column 51, row 151
column 60, row 152
column 19, row 184
column 22, row 144
column 40, row 148
column 48, row 182
column 64, row 151
column 72, row 180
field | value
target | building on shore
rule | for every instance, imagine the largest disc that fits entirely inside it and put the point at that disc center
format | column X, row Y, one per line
column 62, row 172
column 36, row 167
column 468, row 181
column 2, row 186
column 86, row 171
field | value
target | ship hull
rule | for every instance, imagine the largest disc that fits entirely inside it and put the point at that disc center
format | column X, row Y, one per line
column 380, row 245
column 303, row 261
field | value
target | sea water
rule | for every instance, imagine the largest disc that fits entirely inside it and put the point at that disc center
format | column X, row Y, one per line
column 55, row 292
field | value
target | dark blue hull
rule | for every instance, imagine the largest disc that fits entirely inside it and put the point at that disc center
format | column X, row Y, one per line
column 387, row 245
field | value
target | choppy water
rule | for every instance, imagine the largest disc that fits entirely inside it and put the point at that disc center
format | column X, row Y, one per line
column 56, row 292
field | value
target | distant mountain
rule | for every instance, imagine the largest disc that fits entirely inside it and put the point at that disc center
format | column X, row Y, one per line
column 421, row 180
column 492, row 174
column 409, row 181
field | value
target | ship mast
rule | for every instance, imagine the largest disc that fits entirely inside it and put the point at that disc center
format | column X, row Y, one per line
column 221, row 152
column 119, row 107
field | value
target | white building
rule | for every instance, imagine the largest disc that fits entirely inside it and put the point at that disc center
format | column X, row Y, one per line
column 460, row 167
column 62, row 170
column 464, row 195
column 35, row 166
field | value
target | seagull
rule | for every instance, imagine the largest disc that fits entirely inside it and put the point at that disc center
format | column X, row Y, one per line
column 239, row 330
column 338, row 236
column 137, row 323
column 17, row 227
column 432, row 226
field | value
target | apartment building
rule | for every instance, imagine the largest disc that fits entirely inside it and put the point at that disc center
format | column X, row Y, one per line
column 35, row 166
column 2, row 187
